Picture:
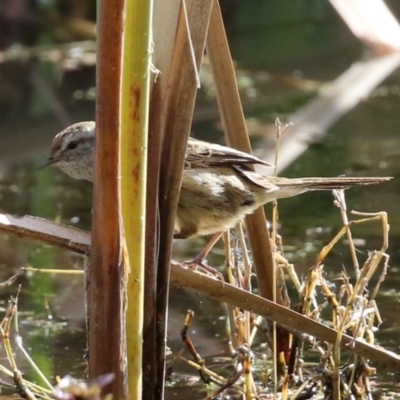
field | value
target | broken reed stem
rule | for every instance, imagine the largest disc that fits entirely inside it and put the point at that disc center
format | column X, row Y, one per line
column 341, row 203
column 33, row 364
column 345, row 316
column 275, row 217
column 23, row 387
column 247, row 266
column 217, row 377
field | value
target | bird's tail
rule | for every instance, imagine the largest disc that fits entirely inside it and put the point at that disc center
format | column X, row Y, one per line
column 326, row 183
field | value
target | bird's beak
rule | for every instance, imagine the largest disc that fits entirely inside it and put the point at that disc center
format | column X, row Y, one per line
column 49, row 161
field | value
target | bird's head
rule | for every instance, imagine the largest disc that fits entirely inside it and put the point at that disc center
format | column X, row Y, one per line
column 72, row 150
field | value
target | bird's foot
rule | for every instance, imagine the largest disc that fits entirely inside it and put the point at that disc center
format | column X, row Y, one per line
column 200, row 263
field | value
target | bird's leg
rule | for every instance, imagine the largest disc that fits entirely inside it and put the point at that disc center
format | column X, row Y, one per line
column 199, row 260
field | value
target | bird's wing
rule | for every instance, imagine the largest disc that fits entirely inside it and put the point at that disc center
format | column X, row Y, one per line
column 200, row 153
column 255, row 178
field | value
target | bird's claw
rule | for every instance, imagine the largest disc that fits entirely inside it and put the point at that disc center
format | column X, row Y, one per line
column 200, row 263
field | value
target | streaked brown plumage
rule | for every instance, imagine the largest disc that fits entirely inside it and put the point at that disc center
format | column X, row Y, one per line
column 218, row 189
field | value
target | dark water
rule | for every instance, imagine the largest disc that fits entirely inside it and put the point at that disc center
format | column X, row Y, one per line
column 284, row 50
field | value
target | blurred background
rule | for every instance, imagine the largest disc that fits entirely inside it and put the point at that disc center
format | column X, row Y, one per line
column 284, row 52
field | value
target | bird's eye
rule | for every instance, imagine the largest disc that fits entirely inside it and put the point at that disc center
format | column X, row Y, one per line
column 72, row 145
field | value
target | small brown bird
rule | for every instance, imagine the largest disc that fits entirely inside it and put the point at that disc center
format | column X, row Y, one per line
column 218, row 189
